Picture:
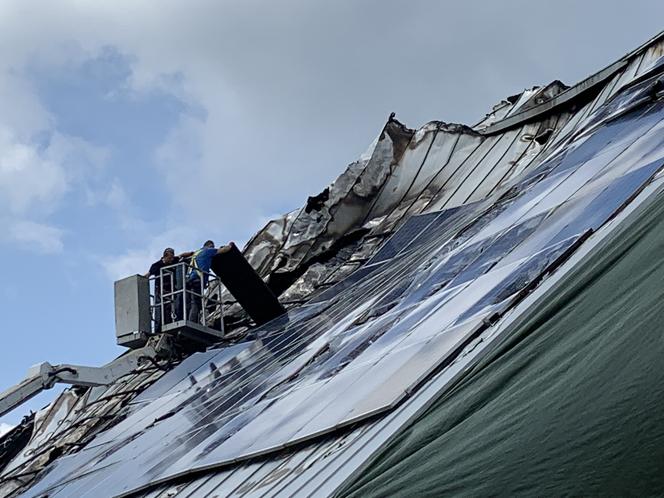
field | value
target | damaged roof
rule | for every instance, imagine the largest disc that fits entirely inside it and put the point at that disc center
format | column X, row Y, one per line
column 399, row 277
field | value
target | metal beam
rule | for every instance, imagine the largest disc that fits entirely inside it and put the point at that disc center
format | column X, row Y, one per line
column 44, row 375
column 566, row 98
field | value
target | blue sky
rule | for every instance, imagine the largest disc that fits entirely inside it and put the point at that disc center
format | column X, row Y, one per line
column 131, row 126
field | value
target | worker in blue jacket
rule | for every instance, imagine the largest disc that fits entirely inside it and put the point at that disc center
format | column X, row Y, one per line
column 197, row 276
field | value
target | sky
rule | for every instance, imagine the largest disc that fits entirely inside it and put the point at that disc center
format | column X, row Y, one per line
column 129, row 126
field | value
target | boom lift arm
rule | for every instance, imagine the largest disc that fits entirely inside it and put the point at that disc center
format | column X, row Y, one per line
column 44, row 376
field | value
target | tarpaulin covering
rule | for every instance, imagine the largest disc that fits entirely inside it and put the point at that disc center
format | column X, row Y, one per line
column 572, row 403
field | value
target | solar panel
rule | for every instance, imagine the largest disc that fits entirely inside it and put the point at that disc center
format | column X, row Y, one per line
column 403, row 236
column 344, row 284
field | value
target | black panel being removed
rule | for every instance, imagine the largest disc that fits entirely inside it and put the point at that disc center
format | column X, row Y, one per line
column 246, row 286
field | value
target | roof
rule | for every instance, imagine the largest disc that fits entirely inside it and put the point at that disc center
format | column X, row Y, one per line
column 568, row 404
column 400, row 276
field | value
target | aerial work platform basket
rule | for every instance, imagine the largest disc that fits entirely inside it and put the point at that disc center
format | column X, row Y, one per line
column 187, row 303
column 182, row 301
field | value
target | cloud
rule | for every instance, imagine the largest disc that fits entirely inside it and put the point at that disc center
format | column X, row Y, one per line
column 138, row 260
column 117, row 197
column 32, row 182
column 29, row 180
column 278, row 98
column 37, row 237
column 39, row 164
column 34, row 179
column 79, row 159
column 132, row 262
column 179, row 158
column 20, row 109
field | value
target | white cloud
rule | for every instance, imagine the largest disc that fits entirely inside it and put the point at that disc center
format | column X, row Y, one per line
column 20, row 108
column 39, row 164
column 132, row 262
column 79, row 159
column 138, row 260
column 32, row 183
column 281, row 96
column 5, row 428
column 34, row 180
column 29, row 179
column 117, row 197
column 211, row 160
column 36, row 237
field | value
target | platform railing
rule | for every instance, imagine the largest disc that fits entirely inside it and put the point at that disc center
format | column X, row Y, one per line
column 183, row 293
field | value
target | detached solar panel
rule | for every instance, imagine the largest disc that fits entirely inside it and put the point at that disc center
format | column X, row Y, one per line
column 246, row 286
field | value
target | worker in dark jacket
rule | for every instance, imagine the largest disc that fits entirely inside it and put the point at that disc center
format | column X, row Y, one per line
column 165, row 283
column 197, row 277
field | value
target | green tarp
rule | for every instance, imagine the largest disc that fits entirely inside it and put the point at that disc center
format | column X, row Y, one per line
column 571, row 404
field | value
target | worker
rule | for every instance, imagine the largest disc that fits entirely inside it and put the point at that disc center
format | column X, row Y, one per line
column 172, row 304
column 198, row 275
